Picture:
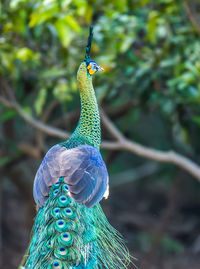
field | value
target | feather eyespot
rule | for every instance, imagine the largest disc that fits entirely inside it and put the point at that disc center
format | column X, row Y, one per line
column 65, row 235
column 68, row 211
column 55, row 192
column 63, row 201
column 66, row 239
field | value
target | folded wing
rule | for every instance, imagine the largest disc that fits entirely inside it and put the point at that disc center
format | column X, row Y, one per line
column 83, row 170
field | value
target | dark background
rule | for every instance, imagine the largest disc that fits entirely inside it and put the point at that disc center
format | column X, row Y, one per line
column 150, row 91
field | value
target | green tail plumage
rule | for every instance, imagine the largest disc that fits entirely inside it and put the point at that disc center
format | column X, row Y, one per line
column 70, row 235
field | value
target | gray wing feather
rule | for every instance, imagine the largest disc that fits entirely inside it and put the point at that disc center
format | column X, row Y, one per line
column 83, row 170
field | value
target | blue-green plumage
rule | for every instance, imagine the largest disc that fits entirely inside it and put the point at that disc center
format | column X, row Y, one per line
column 70, row 229
column 70, row 235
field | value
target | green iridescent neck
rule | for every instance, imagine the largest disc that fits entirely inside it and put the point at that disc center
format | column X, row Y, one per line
column 88, row 130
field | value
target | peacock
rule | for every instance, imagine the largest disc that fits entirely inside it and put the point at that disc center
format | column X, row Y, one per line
column 70, row 229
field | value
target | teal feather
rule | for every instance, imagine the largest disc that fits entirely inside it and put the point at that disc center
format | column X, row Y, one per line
column 69, row 235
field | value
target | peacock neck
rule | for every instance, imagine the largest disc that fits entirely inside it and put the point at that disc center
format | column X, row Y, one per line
column 88, row 129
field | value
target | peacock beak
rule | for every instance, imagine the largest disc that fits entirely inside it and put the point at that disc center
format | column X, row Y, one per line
column 99, row 68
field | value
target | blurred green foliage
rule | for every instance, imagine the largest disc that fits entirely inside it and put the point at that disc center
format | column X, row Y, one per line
column 149, row 49
column 145, row 241
column 150, row 52
column 150, row 45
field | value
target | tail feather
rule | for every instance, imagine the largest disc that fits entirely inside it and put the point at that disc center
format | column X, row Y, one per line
column 70, row 235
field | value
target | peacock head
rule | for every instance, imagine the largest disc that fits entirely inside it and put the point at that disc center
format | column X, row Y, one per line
column 92, row 67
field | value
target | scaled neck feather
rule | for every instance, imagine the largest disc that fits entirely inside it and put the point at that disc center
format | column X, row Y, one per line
column 88, row 129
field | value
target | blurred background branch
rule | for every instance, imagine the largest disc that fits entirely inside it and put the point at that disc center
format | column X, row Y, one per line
column 121, row 142
column 191, row 7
